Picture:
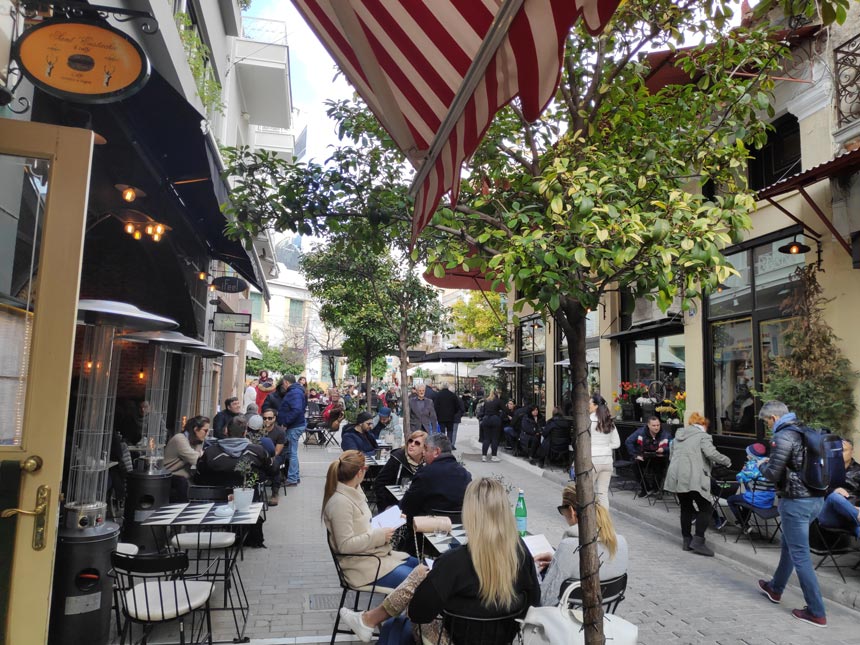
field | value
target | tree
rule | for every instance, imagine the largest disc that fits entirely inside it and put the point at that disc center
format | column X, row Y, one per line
column 280, row 359
column 813, row 378
column 480, row 321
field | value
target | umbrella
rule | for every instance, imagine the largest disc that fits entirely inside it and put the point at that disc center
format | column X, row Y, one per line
column 460, row 355
column 506, row 364
column 446, row 369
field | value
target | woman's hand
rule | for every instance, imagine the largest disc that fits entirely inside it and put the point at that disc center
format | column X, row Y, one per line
column 542, row 560
column 388, row 534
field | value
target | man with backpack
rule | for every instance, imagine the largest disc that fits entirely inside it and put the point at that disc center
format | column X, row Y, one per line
column 790, row 469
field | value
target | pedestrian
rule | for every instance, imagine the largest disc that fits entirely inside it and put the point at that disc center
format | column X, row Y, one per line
column 799, row 505
column 693, row 455
column 490, row 425
column 604, row 439
column 291, row 415
column 449, row 411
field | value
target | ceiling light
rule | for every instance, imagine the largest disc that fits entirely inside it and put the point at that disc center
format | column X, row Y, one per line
column 138, row 234
column 129, row 228
column 129, row 193
column 156, row 237
column 150, row 229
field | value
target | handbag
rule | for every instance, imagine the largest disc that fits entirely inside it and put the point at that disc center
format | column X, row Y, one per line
column 431, row 523
column 561, row 625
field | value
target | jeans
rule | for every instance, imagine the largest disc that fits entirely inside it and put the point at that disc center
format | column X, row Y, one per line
column 602, row 479
column 492, row 431
column 796, row 516
column 294, row 434
column 702, row 513
column 393, row 578
column 839, row 513
column 448, row 427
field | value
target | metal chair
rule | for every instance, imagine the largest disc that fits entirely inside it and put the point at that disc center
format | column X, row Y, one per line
column 459, row 629
column 830, row 542
column 624, row 467
column 611, row 591
column 766, row 515
column 347, row 587
column 154, row 589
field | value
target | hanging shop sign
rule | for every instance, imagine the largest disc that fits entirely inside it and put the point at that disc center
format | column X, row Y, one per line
column 82, row 61
column 229, row 284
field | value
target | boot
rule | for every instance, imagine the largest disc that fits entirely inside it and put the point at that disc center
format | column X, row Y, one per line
column 698, row 545
column 687, row 540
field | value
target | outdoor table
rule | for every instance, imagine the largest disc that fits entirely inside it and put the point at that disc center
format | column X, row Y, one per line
column 456, row 538
column 204, row 514
column 397, row 491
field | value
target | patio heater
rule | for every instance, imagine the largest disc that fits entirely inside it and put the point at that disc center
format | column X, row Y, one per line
column 148, row 488
column 80, row 610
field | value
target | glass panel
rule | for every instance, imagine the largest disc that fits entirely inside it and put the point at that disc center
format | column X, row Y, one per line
column 644, row 361
column 671, row 352
column 772, row 272
column 772, row 339
column 297, row 312
column 734, row 295
column 533, row 380
column 734, row 376
column 256, row 307
column 592, row 325
column 23, row 189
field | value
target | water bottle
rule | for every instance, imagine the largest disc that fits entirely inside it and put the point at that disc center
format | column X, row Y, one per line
column 520, row 513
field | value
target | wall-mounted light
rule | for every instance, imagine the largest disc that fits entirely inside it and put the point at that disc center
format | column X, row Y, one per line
column 212, row 287
column 137, row 223
column 202, row 275
column 141, row 374
column 794, row 248
column 722, row 287
column 129, row 193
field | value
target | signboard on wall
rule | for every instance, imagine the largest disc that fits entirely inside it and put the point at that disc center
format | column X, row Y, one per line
column 231, row 323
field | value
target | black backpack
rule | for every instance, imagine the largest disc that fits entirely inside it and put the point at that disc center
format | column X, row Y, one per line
column 823, row 466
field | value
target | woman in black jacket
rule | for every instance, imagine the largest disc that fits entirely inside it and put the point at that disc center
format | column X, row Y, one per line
column 491, row 426
column 532, row 431
column 403, row 464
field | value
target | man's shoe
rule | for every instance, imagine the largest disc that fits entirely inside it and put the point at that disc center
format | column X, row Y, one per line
column 484, row 458
column 805, row 616
column 768, row 591
column 697, row 544
column 273, row 500
column 356, row 624
column 495, row 459
column 686, row 543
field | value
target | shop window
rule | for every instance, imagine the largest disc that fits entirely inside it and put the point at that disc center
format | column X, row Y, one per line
column 734, row 295
column 734, row 377
column 772, row 273
column 772, row 343
column 780, row 156
column 532, row 377
column 660, row 358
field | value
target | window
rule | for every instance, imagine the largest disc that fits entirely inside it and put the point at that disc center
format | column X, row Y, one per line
column 532, row 377
column 659, row 358
column 732, row 352
column 297, row 313
column 780, row 156
column 256, row 307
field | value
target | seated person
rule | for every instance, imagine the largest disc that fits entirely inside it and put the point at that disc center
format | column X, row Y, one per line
column 494, row 575
column 440, row 484
column 334, row 402
column 531, row 432
column 347, row 519
column 611, row 550
column 649, row 443
column 357, row 436
column 217, row 464
column 842, row 506
column 510, row 436
column 274, row 440
column 759, row 492
column 556, row 436
column 182, row 453
column 385, row 422
column 402, row 464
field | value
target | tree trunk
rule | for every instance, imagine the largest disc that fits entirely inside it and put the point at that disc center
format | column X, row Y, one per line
column 331, row 370
column 571, row 318
column 403, row 349
column 368, row 377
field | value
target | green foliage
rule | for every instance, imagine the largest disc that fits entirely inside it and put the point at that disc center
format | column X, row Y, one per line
column 277, row 359
column 826, row 11
column 480, row 322
column 250, row 477
column 198, row 55
column 814, row 378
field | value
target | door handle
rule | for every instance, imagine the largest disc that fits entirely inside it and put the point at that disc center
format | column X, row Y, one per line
column 39, row 513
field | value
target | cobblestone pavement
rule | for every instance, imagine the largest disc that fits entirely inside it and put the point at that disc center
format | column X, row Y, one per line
column 674, row 597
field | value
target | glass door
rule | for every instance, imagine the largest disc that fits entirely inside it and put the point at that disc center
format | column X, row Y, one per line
column 44, row 181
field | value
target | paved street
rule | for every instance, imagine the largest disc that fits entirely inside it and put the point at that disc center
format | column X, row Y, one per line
column 674, row 597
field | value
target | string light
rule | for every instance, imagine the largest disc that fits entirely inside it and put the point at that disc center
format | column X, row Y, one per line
column 137, row 234
column 129, row 228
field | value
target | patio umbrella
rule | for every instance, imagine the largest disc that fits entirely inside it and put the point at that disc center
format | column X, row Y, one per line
column 437, row 369
column 435, row 73
column 460, row 355
column 506, row 364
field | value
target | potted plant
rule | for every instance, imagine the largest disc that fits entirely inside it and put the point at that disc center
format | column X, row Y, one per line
column 244, row 496
column 631, row 393
column 625, row 403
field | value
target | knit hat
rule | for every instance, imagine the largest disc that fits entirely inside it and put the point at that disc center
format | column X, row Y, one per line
column 255, row 422
column 756, row 450
column 362, row 417
column 385, row 412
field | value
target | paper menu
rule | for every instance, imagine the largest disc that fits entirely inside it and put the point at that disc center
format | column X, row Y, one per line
column 388, row 519
column 538, row 544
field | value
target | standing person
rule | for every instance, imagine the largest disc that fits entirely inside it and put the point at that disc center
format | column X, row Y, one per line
column 273, row 401
column 422, row 413
column 449, row 411
column 250, row 397
column 291, row 415
column 265, row 386
column 604, row 439
column 232, row 409
column 689, row 475
column 798, row 506
column 491, row 426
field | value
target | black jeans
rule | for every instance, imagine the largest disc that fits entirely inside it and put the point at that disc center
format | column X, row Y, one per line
column 701, row 512
column 492, row 434
column 448, row 429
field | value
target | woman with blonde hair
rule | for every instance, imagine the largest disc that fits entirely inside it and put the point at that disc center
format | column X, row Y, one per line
column 611, row 549
column 689, row 475
column 493, row 576
column 347, row 518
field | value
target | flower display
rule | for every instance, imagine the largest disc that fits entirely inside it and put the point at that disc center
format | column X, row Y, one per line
column 630, row 392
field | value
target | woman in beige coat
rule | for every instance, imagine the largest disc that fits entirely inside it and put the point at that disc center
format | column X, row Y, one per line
column 347, row 518
column 689, row 475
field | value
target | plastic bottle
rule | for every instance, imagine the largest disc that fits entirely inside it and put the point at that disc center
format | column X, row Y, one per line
column 521, row 514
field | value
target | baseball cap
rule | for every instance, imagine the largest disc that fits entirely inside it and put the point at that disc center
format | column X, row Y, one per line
column 385, row 412
column 255, row 422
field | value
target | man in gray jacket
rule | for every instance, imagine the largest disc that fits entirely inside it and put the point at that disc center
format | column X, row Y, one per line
column 422, row 412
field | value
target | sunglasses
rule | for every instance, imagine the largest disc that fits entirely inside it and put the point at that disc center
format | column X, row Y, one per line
column 415, row 442
column 268, row 418
column 562, row 508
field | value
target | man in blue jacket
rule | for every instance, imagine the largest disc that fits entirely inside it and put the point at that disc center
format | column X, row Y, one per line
column 649, row 447
column 358, row 436
column 291, row 415
column 440, row 485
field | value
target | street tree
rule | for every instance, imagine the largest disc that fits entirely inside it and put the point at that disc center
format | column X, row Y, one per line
column 277, row 358
column 480, row 322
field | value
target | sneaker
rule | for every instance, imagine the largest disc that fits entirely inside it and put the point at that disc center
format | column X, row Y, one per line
column 356, row 624
column 484, row 458
column 805, row 616
column 495, row 459
column 768, row 591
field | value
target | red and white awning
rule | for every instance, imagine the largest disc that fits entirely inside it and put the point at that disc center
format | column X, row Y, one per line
column 435, row 72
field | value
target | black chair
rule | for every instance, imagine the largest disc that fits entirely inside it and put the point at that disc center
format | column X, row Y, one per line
column 720, row 490
column 625, row 471
column 754, row 513
column 829, row 542
column 458, row 629
column 346, row 587
column 154, row 589
column 611, row 591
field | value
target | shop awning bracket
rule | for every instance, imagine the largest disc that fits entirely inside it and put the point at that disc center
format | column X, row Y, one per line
column 845, row 245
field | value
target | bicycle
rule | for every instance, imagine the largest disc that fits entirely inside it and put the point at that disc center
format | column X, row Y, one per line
column 658, row 389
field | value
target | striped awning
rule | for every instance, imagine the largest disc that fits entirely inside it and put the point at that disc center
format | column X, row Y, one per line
column 435, row 72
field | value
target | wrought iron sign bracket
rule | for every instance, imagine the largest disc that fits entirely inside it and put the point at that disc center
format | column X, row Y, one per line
column 71, row 9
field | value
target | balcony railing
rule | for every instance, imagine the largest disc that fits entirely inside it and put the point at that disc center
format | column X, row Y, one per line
column 847, row 57
column 264, row 30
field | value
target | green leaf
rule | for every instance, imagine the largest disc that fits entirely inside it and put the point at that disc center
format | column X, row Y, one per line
column 557, row 204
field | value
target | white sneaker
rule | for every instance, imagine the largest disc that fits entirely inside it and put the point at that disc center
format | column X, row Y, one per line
column 483, row 457
column 356, row 624
column 494, row 458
